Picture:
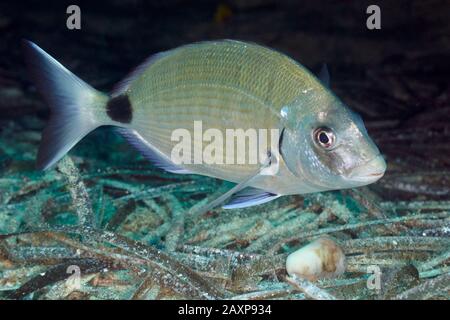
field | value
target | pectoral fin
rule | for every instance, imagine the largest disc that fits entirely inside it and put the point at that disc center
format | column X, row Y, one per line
column 263, row 170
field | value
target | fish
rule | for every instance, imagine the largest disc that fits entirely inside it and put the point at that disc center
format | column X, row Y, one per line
column 225, row 84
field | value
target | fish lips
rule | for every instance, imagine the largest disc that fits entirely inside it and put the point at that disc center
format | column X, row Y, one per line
column 369, row 172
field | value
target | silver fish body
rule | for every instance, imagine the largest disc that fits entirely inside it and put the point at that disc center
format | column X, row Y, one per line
column 224, row 85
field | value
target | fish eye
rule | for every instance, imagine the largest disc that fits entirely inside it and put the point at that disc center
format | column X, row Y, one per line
column 324, row 137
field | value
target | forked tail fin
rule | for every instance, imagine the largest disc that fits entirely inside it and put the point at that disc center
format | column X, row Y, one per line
column 76, row 107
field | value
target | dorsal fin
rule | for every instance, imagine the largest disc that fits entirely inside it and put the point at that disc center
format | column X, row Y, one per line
column 124, row 84
column 157, row 158
column 324, row 75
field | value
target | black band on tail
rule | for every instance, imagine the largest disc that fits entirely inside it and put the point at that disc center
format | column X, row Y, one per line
column 119, row 109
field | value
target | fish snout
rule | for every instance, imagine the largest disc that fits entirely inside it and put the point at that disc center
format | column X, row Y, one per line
column 369, row 172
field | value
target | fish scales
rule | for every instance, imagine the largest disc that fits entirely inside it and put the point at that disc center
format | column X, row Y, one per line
column 226, row 85
column 223, row 85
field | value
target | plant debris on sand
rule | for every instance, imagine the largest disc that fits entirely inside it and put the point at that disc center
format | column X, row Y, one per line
column 105, row 224
column 133, row 234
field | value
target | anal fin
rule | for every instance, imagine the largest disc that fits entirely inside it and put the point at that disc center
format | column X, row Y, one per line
column 156, row 157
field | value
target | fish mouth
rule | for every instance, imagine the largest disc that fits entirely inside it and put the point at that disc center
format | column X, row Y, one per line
column 370, row 171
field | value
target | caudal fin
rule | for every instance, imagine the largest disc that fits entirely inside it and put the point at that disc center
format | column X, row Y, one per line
column 75, row 105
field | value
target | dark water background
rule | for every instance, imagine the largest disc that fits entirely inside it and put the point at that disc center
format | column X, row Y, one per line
column 397, row 78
